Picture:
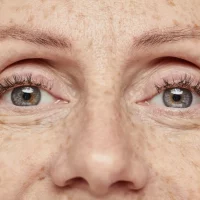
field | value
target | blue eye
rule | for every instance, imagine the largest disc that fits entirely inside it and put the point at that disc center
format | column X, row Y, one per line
column 176, row 98
column 27, row 96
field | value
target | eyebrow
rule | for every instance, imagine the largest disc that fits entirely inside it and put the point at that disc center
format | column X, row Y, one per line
column 150, row 38
column 157, row 37
column 34, row 36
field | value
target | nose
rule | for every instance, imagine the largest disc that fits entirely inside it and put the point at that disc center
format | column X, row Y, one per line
column 101, row 156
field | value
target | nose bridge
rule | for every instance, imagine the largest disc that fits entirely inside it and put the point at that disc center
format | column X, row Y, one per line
column 104, row 121
column 101, row 153
column 103, row 144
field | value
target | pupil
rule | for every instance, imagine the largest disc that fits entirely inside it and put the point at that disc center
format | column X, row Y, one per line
column 176, row 97
column 26, row 96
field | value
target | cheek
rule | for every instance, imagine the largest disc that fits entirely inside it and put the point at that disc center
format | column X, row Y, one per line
column 174, row 161
column 24, row 159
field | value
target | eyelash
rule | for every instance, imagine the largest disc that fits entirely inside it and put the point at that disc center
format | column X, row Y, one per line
column 19, row 80
column 185, row 81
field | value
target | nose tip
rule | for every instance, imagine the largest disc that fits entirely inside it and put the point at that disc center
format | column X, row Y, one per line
column 106, row 172
column 99, row 172
column 102, row 156
column 103, row 170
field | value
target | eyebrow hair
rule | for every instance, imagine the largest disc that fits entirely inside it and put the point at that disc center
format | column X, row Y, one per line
column 35, row 36
column 150, row 38
column 157, row 37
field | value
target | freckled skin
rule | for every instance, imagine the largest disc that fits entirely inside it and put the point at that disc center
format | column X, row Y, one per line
column 171, row 2
column 102, row 145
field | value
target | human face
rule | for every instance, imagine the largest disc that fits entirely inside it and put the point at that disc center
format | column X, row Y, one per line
column 82, row 87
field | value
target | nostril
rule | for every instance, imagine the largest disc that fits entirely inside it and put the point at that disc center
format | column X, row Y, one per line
column 124, row 184
column 120, row 184
column 76, row 181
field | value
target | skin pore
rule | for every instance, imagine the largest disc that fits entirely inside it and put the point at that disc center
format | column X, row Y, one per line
column 100, row 131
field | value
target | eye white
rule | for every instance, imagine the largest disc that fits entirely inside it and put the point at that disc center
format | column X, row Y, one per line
column 158, row 99
column 46, row 98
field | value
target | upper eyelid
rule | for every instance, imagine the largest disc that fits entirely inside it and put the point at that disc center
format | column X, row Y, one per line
column 152, row 80
column 184, row 82
column 18, row 80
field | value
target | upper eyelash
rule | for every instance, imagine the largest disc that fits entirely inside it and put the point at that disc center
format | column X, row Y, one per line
column 19, row 80
column 186, row 81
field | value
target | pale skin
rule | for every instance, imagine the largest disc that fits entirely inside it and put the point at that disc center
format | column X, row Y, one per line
column 99, row 133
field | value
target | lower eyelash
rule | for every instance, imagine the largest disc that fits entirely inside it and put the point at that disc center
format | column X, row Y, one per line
column 22, row 80
column 186, row 82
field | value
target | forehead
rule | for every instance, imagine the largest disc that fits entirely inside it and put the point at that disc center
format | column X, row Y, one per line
column 111, row 23
column 136, row 13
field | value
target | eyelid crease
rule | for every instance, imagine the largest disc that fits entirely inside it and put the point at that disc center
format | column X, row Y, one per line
column 158, row 85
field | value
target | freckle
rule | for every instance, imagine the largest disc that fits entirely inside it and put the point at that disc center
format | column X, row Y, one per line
column 168, row 179
column 53, row 7
column 151, row 129
column 21, row 8
column 42, row 169
column 119, row 74
column 196, row 26
column 11, row 21
column 171, row 195
column 157, row 17
column 41, row 178
column 156, row 173
column 15, row 8
column 8, row 138
column 37, row 122
column 30, row 19
column 81, row 15
column 61, row 147
column 143, row 13
column 171, row 2
column 196, row 165
column 150, row 147
column 46, row 15
column 68, row 139
column 175, row 22
column 108, row 92
column 90, row 44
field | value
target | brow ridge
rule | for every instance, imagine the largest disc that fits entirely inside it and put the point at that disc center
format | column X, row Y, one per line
column 157, row 37
column 35, row 36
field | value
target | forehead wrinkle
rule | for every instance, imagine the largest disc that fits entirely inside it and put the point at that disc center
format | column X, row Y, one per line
column 35, row 36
